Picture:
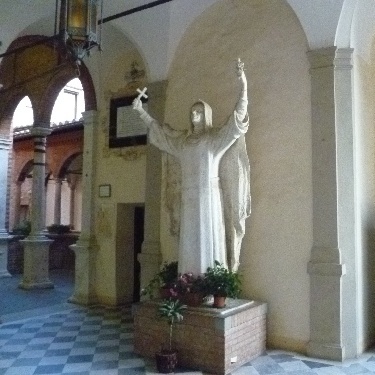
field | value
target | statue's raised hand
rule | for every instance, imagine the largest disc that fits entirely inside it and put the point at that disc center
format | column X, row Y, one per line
column 240, row 70
column 137, row 105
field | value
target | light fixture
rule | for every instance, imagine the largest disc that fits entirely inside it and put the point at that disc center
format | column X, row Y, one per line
column 78, row 26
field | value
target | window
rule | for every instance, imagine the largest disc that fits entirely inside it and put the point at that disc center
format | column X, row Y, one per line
column 24, row 114
column 69, row 104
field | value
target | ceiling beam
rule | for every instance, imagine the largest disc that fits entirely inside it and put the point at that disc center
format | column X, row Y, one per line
column 134, row 10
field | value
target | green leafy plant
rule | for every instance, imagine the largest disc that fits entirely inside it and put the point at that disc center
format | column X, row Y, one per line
column 187, row 283
column 163, row 279
column 172, row 311
column 23, row 228
column 222, row 282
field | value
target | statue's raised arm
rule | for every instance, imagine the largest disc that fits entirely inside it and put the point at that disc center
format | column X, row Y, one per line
column 241, row 107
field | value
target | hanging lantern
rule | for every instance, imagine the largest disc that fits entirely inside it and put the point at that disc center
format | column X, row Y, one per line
column 79, row 26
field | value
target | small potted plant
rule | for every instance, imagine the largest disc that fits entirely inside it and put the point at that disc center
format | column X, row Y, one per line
column 172, row 311
column 162, row 281
column 23, row 228
column 189, row 288
column 222, row 283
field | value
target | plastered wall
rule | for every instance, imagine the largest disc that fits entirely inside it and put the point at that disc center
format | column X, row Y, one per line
column 278, row 240
column 122, row 168
column 365, row 193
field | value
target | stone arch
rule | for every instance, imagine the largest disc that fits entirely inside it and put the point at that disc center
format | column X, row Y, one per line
column 40, row 69
column 58, row 83
column 344, row 27
column 25, row 171
column 66, row 163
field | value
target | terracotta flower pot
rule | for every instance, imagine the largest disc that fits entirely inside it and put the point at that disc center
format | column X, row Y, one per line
column 165, row 293
column 219, row 301
column 166, row 361
column 192, row 299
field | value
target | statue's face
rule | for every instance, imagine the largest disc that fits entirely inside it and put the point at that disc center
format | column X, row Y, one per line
column 197, row 116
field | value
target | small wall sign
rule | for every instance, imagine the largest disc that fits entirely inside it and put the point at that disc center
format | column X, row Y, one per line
column 104, row 191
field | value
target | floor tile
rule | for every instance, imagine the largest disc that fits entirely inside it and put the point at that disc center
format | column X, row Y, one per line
column 99, row 341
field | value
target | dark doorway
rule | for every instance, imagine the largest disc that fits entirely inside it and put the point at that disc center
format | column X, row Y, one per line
column 139, row 220
column 129, row 238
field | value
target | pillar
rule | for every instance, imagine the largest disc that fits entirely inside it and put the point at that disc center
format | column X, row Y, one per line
column 36, row 245
column 57, row 211
column 17, row 202
column 150, row 257
column 4, row 237
column 72, row 198
column 332, row 267
column 85, row 248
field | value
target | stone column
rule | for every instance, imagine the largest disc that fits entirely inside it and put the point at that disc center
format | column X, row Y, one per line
column 86, row 247
column 332, row 267
column 5, row 144
column 57, row 212
column 72, row 187
column 17, row 203
column 36, row 245
column 150, row 257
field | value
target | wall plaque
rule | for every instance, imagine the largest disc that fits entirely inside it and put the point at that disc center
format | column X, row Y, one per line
column 125, row 127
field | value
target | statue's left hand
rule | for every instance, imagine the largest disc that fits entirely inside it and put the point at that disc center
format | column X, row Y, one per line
column 241, row 73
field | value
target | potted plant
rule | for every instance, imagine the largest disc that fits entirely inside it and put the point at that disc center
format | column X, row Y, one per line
column 189, row 288
column 172, row 311
column 221, row 283
column 162, row 281
column 23, row 228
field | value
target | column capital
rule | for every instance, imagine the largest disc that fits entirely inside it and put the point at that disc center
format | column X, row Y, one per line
column 89, row 117
column 322, row 57
column 5, row 143
column 344, row 59
column 38, row 131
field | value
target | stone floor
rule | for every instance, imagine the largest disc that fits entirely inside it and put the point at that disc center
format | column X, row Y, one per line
column 60, row 338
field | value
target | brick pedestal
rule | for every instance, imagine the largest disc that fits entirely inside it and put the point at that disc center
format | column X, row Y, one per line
column 213, row 340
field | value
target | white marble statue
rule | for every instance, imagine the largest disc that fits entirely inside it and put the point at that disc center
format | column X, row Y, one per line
column 203, row 225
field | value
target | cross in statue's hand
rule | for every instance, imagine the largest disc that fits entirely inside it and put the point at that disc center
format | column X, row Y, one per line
column 142, row 93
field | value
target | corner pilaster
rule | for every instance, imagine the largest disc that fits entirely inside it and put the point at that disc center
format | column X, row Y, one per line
column 5, row 145
column 86, row 247
column 332, row 264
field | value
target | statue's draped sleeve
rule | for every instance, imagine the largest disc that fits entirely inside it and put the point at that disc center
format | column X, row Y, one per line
column 162, row 135
column 235, row 183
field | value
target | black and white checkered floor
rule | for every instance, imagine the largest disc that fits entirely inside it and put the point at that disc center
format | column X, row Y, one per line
column 98, row 341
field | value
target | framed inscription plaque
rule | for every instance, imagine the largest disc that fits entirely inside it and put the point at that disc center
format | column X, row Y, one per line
column 125, row 127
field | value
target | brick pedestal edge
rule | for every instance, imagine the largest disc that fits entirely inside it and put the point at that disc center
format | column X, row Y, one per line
column 217, row 341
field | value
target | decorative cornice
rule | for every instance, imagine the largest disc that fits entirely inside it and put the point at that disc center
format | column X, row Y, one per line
column 343, row 59
column 322, row 57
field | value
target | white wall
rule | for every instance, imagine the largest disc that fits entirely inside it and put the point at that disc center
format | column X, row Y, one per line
column 363, row 42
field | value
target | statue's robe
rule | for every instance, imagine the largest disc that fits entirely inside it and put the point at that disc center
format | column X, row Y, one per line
column 202, row 228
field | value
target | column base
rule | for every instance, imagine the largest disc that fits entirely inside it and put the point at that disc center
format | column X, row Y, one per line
column 36, row 263
column 83, row 300
column 4, row 274
column 39, row 285
column 4, row 239
column 85, row 250
column 332, row 352
column 150, row 259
